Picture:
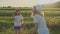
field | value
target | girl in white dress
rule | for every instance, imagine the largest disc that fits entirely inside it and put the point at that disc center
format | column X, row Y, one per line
column 39, row 21
column 17, row 21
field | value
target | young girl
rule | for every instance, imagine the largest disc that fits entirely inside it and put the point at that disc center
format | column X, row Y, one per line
column 17, row 21
column 39, row 21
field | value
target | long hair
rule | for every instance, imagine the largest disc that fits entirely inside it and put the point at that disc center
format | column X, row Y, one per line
column 37, row 12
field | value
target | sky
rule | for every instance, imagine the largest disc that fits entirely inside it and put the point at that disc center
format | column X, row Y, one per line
column 24, row 3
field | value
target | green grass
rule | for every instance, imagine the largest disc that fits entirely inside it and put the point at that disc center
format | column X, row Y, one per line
column 6, row 21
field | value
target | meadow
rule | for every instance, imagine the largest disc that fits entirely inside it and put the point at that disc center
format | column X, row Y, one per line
column 6, row 21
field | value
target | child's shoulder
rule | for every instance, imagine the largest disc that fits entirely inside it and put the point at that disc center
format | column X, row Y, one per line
column 18, row 16
column 37, row 15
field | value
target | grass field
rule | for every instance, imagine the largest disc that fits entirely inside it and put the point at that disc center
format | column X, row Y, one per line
column 6, row 21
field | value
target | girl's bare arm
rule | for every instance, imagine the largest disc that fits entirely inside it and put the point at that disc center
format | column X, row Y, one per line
column 36, row 27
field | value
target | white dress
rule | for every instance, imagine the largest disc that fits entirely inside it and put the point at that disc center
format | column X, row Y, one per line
column 42, row 28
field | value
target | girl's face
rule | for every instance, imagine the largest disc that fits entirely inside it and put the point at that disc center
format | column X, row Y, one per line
column 18, row 12
column 33, row 12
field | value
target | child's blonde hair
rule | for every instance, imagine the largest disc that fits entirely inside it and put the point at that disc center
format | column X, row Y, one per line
column 37, row 10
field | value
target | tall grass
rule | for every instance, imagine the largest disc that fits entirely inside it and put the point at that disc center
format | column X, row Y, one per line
column 7, row 22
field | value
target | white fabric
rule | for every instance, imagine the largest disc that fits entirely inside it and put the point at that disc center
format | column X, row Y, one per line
column 38, row 7
column 17, row 20
column 42, row 28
